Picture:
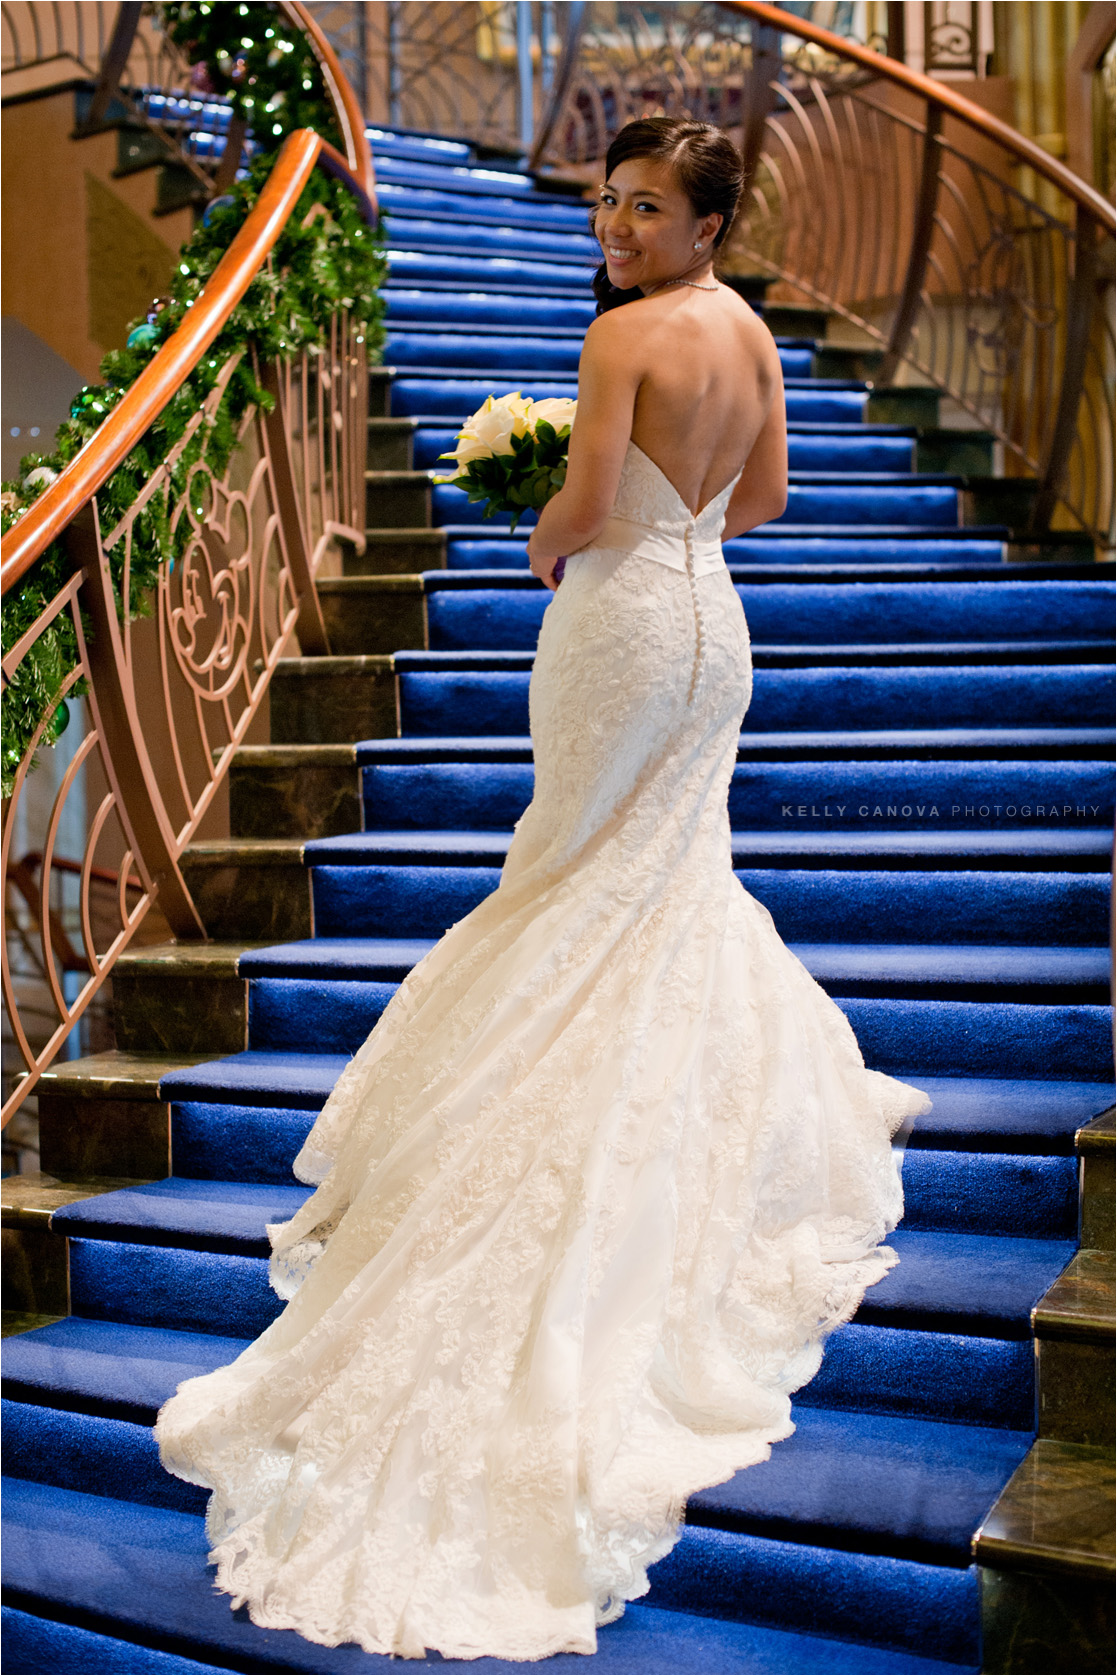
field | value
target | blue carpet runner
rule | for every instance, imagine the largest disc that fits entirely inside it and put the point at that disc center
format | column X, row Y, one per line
column 923, row 800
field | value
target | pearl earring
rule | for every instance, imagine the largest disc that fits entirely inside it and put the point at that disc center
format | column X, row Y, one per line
column 698, row 247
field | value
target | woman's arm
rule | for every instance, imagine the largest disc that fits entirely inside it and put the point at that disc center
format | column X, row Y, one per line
column 609, row 375
column 761, row 492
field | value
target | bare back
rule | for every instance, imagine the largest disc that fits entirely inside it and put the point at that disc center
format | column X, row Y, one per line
column 694, row 379
column 709, row 372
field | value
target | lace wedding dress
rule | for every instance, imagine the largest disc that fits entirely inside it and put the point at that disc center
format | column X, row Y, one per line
column 588, row 1198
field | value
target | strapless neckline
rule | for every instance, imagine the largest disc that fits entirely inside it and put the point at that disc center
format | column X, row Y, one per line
column 692, row 516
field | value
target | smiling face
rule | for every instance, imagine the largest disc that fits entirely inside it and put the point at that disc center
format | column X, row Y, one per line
column 647, row 227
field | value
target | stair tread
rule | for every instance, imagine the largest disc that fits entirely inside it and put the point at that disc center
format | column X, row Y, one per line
column 945, row 1281
column 915, row 1488
column 109, row 1366
column 357, row 848
column 387, row 959
column 518, row 747
column 231, row 1213
column 1008, row 1114
column 770, row 532
column 1080, row 1306
column 141, row 1571
column 1056, row 1514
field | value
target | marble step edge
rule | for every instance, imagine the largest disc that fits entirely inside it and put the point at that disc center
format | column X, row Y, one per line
column 1096, row 1143
column 1081, row 1306
column 102, row 1123
column 1055, row 1515
column 1099, row 1136
column 30, row 1200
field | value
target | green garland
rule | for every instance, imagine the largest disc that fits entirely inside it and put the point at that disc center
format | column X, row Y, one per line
column 335, row 262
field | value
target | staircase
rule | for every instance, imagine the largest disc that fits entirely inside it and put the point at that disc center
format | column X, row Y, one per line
column 922, row 799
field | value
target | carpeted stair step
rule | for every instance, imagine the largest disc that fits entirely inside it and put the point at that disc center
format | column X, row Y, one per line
column 122, row 1569
column 450, row 695
column 908, row 1037
column 482, row 311
column 920, row 795
column 957, row 1283
column 947, row 1285
column 487, row 270
column 941, row 744
column 1026, row 1196
column 456, row 396
column 313, row 791
column 421, row 231
column 421, row 148
column 214, row 1138
column 1084, row 850
column 546, row 350
column 405, row 191
column 125, row 1371
column 855, row 449
column 472, row 191
column 467, row 612
column 769, row 555
column 872, row 1483
column 1053, row 909
column 833, row 501
column 339, row 992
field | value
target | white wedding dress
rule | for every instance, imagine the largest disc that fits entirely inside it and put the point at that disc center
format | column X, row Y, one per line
column 590, row 1195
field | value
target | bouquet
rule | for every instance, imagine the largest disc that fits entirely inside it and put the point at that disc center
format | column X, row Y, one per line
column 512, row 453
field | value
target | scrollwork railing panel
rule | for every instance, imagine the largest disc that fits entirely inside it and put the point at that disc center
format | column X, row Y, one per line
column 169, row 696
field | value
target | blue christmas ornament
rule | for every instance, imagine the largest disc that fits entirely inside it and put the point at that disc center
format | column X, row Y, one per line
column 141, row 337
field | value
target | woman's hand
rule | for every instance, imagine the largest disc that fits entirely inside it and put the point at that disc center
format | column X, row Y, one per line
column 543, row 565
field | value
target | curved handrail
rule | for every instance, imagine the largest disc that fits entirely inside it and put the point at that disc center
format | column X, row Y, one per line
column 350, row 117
column 937, row 93
column 146, row 398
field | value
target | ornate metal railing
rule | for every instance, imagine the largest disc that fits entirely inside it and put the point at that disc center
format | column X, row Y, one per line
column 965, row 254
column 165, row 700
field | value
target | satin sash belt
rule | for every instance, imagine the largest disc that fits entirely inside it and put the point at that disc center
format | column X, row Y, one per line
column 672, row 550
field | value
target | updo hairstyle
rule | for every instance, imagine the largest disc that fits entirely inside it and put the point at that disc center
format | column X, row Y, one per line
column 706, row 164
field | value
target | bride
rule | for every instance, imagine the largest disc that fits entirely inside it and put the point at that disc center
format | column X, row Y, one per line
column 610, row 1166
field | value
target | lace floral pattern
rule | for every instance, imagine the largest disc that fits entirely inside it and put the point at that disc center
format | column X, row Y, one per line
column 589, row 1198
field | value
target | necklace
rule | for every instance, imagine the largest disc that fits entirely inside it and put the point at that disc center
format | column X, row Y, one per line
column 691, row 282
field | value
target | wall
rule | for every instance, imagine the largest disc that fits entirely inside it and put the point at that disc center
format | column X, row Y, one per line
column 83, row 251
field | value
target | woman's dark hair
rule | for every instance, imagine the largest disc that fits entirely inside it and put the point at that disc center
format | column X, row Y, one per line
column 706, row 164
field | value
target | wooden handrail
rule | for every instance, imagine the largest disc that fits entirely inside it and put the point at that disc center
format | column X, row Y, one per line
column 350, row 117
column 941, row 94
column 146, row 398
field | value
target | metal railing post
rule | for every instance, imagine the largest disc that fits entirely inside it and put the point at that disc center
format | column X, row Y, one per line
column 1080, row 311
column 573, row 15
column 923, row 227
column 310, row 626
column 760, row 95
column 524, row 74
column 114, row 61
column 546, row 53
column 112, row 698
column 394, row 80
